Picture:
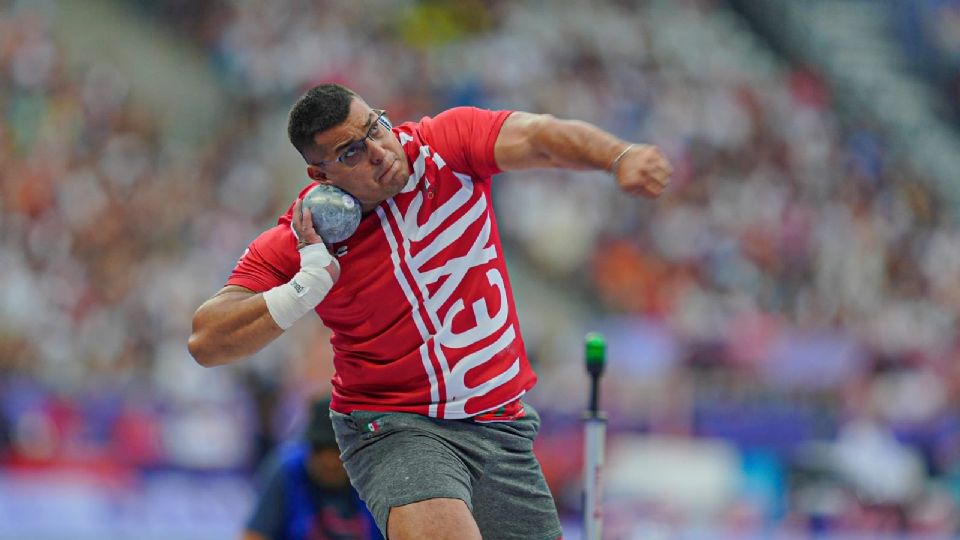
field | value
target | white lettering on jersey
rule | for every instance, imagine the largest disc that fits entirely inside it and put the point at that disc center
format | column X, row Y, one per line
column 417, row 319
column 455, row 271
column 419, row 167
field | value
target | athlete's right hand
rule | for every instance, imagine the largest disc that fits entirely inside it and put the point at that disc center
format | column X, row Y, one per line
column 307, row 236
column 303, row 226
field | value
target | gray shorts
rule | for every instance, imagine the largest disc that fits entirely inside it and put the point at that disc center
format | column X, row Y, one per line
column 395, row 459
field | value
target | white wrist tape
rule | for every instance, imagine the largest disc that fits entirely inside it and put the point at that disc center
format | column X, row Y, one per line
column 294, row 299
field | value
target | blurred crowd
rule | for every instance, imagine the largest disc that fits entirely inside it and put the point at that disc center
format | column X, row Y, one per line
column 929, row 31
column 108, row 243
column 793, row 298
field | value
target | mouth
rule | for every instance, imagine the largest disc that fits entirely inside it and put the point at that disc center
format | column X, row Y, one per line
column 389, row 171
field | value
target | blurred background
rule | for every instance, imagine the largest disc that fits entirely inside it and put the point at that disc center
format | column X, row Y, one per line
column 783, row 354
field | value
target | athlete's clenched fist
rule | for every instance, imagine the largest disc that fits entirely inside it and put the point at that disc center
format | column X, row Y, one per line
column 642, row 170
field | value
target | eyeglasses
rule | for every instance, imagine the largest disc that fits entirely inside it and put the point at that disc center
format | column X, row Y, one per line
column 354, row 153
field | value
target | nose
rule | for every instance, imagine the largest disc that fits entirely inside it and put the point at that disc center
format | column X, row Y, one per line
column 376, row 152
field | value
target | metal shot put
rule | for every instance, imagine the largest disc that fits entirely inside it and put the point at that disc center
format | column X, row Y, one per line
column 335, row 213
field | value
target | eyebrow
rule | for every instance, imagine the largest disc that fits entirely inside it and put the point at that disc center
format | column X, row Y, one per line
column 366, row 127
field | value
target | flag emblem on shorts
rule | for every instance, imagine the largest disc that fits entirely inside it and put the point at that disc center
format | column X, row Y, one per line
column 372, row 427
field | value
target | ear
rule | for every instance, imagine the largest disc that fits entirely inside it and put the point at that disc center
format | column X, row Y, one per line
column 317, row 175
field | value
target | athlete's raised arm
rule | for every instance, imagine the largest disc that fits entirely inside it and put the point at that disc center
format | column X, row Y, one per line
column 529, row 140
column 237, row 322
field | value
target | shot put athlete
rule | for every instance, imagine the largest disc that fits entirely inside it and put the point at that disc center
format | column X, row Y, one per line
column 430, row 364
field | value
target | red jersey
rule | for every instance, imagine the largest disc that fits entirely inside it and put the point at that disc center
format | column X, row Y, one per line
column 422, row 316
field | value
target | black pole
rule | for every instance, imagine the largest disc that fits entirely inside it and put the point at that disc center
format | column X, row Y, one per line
column 595, row 355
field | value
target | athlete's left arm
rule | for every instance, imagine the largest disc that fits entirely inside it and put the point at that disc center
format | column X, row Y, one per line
column 529, row 141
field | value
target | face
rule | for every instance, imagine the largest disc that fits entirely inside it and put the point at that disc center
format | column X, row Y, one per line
column 381, row 170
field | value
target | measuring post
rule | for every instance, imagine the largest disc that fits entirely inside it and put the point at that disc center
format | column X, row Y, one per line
column 595, row 426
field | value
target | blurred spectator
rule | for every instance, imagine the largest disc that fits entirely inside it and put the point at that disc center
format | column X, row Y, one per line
column 305, row 492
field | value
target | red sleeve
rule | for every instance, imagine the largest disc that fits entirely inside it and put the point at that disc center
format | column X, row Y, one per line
column 270, row 260
column 465, row 138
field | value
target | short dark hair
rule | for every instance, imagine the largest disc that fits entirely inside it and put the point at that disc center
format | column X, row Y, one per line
column 322, row 107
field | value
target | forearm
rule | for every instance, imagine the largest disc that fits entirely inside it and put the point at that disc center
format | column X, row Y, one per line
column 530, row 140
column 231, row 326
column 237, row 322
column 572, row 144
column 537, row 140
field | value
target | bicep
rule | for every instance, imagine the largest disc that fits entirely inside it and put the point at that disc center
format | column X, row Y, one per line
column 516, row 146
column 229, row 294
column 234, row 291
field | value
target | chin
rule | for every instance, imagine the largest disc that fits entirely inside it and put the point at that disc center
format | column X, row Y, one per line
column 395, row 185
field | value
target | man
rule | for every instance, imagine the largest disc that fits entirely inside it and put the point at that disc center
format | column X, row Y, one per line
column 430, row 364
column 305, row 493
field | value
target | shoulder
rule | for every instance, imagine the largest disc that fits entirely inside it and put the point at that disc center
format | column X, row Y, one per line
column 274, row 245
column 464, row 119
column 463, row 136
column 270, row 259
